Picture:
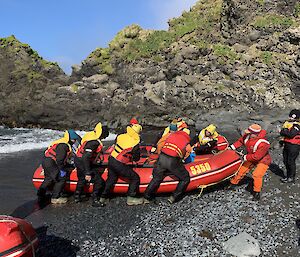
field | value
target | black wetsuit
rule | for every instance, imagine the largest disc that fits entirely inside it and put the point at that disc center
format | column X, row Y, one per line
column 86, row 167
column 168, row 166
column 118, row 169
column 52, row 172
column 290, row 150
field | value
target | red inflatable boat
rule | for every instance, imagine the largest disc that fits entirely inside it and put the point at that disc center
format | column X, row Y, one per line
column 205, row 170
column 17, row 238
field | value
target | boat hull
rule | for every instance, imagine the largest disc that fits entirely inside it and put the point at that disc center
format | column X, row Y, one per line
column 205, row 170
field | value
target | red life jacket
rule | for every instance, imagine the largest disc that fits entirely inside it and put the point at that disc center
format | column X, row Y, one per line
column 257, row 148
column 95, row 154
column 222, row 143
column 51, row 152
column 175, row 144
column 123, row 155
column 295, row 140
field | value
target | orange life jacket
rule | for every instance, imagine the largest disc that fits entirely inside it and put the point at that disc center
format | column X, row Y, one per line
column 161, row 142
column 175, row 145
column 51, row 152
column 95, row 154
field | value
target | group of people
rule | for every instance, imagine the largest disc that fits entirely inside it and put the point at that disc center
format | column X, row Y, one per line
column 174, row 147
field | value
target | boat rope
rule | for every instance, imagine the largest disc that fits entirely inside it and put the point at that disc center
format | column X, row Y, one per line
column 202, row 187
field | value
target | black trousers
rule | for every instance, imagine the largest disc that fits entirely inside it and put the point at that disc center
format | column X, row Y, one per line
column 290, row 154
column 52, row 177
column 96, row 178
column 166, row 166
column 118, row 169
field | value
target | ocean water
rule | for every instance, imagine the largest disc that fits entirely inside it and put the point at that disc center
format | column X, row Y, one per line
column 23, row 139
column 21, row 152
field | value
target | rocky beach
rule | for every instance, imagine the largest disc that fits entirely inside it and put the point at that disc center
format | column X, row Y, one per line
column 192, row 227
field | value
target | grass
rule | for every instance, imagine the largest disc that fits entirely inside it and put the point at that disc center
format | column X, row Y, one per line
column 267, row 57
column 74, row 88
column 224, row 51
column 260, row 2
column 199, row 22
column 272, row 20
column 297, row 10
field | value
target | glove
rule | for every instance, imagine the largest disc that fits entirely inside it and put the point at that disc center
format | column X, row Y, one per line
column 212, row 143
column 62, row 173
column 281, row 143
column 153, row 149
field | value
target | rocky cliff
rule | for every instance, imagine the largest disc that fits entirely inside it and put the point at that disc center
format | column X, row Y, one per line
column 226, row 56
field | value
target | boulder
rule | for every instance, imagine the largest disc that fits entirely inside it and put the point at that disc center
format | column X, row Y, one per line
column 96, row 79
column 242, row 245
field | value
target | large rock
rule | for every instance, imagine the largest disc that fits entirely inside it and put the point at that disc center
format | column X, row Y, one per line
column 242, row 245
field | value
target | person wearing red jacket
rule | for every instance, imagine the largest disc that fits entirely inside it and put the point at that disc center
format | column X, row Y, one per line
column 176, row 148
column 257, row 157
column 291, row 141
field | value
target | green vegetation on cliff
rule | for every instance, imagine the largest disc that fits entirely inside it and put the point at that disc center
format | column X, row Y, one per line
column 133, row 42
column 27, row 64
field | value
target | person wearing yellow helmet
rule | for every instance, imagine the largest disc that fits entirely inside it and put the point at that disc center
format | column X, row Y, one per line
column 87, row 160
column 126, row 151
column 208, row 140
column 176, row 148
column 54, row 166
column 177, row 124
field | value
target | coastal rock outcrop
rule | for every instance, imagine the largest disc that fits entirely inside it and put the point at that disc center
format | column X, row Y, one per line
column 223, row 55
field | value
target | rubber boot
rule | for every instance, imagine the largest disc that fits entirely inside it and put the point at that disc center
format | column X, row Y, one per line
column 97, row 203
column 77, row 197
column 291, row 180
column 171, row 199
column 231, row 187
column 256, row 196
column 103, row 201
column 150, row 201
column 134, row 200
column 60, row 200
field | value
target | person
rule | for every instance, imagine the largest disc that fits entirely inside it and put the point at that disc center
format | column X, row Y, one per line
column 87, row 160
column 133, row 121
column 162, row 140
column 54, row 164
column 169, row 162
column 126, row 151
column 257, row 157
column 210, row 140
column 291, row 142
column 176, row 125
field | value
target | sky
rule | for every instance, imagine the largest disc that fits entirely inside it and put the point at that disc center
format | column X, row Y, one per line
column 67, row 31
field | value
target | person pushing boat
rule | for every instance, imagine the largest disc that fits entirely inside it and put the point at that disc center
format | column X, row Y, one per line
column 126, row 151
column 258, row 157
column 54, row 164
column 87, row 160
column 176, row 148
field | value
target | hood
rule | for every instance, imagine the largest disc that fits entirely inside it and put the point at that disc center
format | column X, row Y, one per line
column 262, row 134
column 65, row 139
column 132, row 133
column 93, row 135
column 212, row 129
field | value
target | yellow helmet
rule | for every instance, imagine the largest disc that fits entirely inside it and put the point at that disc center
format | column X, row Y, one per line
column 211, row 129
column 137, row 128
